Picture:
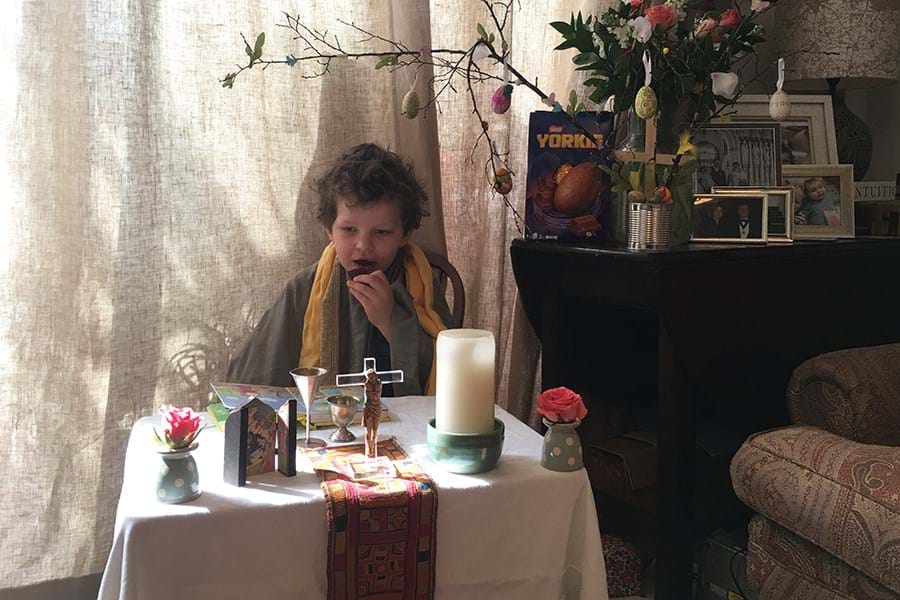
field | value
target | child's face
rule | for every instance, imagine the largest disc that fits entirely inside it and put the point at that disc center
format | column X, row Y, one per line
column 367, row 236
column 815, row 191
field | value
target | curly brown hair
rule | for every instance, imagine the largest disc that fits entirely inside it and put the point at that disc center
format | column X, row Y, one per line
column 368, row 173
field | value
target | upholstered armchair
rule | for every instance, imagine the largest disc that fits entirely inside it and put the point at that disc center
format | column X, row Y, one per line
column 827, row 489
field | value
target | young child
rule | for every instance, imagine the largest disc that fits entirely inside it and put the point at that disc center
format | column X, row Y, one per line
column 817, row 201
column 371, row 293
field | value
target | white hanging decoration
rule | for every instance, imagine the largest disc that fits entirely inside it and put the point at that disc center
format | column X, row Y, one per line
column 780, row 103
column 645, row 104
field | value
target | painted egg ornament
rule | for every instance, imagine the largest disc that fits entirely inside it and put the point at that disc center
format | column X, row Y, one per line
column 636, row 196
column 502, row 181
column 645, row 103
column 780, row 106
column 663, row 195
column 410, row 106
column 577, row 192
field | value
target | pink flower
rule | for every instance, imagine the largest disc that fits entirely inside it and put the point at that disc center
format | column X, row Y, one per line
column 635, row 4
column 501, row 99
column 705, row 27
column 561, row 405
column 729, row 19
column 180, row 426
column 661, row 15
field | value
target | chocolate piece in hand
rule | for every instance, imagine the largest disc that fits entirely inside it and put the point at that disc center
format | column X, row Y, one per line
column 351, row 274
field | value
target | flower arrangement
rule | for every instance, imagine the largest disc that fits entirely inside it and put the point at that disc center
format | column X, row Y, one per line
column 692, row 56
column 692, row 59
column 180, row 427
column 561, row 405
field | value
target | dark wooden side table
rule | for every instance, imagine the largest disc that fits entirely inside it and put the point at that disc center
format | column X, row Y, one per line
column 701, row 328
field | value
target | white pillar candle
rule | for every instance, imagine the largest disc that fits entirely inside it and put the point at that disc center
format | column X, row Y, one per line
column 464, row 400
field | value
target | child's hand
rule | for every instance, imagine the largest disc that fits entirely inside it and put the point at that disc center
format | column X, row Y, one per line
column 377, row 298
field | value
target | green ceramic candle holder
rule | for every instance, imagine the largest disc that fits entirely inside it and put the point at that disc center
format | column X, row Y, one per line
column 465, row 452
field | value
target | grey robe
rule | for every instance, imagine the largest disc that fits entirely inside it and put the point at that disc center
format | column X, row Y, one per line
column 274, row 348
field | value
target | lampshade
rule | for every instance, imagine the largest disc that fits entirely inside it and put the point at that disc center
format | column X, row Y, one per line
column 855, row 41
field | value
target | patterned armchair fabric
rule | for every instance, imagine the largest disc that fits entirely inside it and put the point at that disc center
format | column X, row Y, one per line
column 829, row 505
column 785, row 565
column 852, row 393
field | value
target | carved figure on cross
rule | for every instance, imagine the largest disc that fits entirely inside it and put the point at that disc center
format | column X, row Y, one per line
column 371, row 379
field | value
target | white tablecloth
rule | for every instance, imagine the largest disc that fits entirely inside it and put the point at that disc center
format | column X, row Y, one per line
column 518, row 532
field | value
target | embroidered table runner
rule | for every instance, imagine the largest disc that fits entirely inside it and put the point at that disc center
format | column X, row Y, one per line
column 381, row 533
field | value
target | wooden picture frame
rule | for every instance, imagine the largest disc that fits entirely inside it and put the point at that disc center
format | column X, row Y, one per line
column 809, row 127
column 779, row 206
column 737, row 154
column 816, row 221
column 726, row 225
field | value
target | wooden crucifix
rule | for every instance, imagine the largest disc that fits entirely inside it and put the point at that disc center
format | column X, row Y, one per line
column 371, row 379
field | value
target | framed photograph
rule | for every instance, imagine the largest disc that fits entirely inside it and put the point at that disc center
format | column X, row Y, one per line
column 823, row 200
column 807, row 135
column 779, row 213
column 737, row 154
column 738, row 217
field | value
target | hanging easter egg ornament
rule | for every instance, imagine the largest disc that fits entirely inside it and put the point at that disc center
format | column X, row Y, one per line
column 645, row 100
column 411, row 105
column 502, row 181
column 780, row 103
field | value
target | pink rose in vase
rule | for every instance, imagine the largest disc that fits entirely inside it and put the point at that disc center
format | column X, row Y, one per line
column 729, row 19
column 661, row 15
column 561, row 405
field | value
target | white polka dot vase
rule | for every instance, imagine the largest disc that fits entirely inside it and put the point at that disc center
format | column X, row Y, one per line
column 177, row 479
column 562, row 447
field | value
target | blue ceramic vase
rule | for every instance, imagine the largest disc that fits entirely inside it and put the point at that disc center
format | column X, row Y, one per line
column 177, row 479
column 562, row 447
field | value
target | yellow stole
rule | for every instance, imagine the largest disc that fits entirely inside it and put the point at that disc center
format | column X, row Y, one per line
column 320, row 329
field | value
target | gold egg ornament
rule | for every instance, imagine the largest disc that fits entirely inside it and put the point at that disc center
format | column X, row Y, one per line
column 645, row 104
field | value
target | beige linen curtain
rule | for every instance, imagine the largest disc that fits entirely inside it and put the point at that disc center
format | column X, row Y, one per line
column 150, row 216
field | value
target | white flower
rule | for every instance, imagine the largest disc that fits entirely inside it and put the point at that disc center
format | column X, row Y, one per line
column 623, row 33
column 481, row 51
column 725, row 84
column 642, row 29
column 758, row 5
column 678, row 6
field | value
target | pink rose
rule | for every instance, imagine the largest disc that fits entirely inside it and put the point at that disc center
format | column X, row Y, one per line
column 729, row 19
column 561, row 405
column 705, row 27
column 501, row 99
column 661, row 15
column 635, row 4
column 180, row 425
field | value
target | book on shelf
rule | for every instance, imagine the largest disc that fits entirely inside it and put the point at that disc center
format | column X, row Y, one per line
column 232, row 396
